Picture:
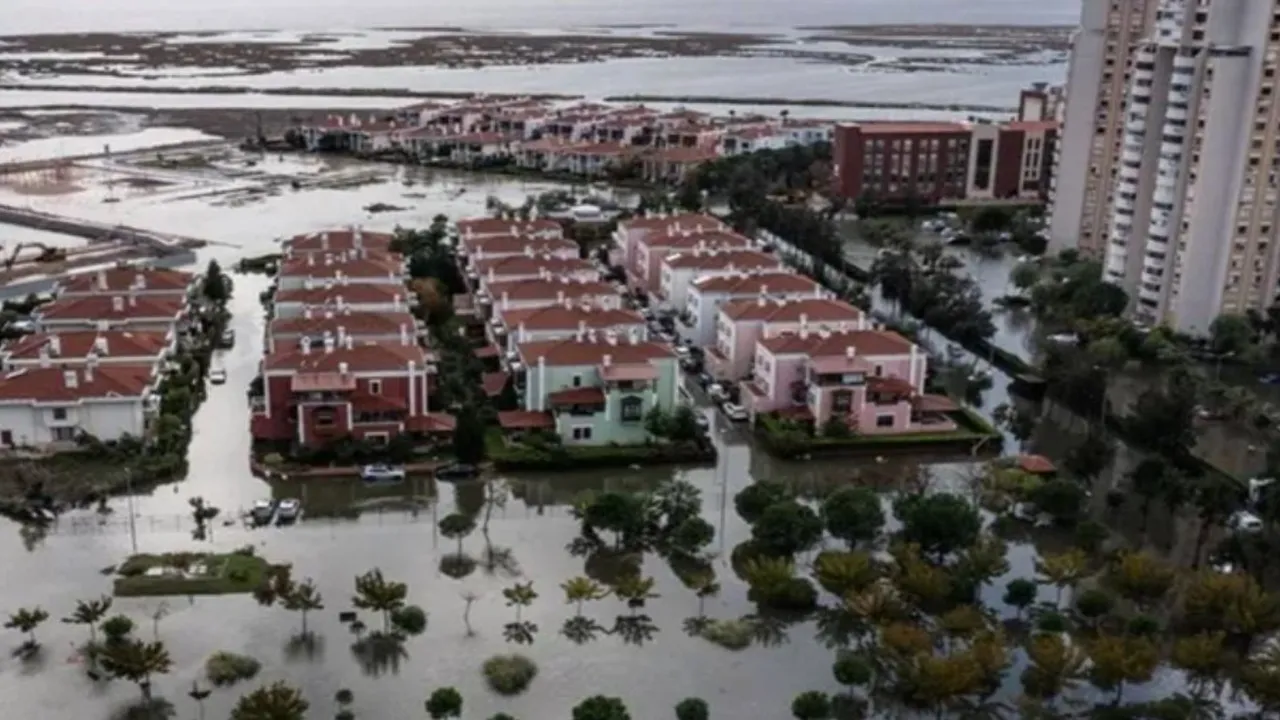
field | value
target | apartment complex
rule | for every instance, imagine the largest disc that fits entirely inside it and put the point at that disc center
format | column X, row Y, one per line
column 1194, row 200
column 1088, row 152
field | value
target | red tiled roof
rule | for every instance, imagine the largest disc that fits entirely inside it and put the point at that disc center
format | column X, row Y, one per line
column 894, row 385
column 357, row 294
column 1036, row 464
column 586, row 352
column 120, row 280
column 816, row 344
column 524, row 265
column 681, row 221
column 789, row 311
column 687, row 239
column 114, row 307
column 577, row 396
column 737, row 259
column 559, row 317
column 934, row 403
column 337, row 240
column 626, row 373
column 509, row 244
column 755, row 284
column 355, row 324
column 498, row 226
column 50, row 384
column 488, row 351
column 525, row 420
column 315, row 265
column 685, row 154
column 549, row 289
column 494, row 383
column 80, row 344
column 433, row 423
column 365, row 357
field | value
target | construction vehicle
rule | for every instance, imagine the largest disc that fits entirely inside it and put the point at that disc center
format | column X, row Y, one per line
column 47, row 254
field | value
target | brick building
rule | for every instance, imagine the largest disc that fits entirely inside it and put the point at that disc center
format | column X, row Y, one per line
column 901, row 161
column 1011, row 160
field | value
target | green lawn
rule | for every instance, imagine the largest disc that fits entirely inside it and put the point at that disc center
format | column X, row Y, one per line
column 191, row 574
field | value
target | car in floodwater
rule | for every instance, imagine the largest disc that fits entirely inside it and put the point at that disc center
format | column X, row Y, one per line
column 263, row 512
column 218, row 376
column 457, row 471
column 381, row 474
column 288, row 510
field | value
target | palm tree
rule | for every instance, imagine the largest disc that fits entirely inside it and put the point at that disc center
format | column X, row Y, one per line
column 304, row 598
column 199, row 694
column 273, row 702
column 1063, row 571
column 136, row 661
column 457, row 526
column 1217, row 498
column 1056, row 667
column 842, row 572
column 26, row 620
column 90, row 613
column 580, row 590
column 1142, row 578
column 1202, row 657
column 708, row 587
column 520, row 596
column 1120, row 659
column 374, row 592
column 635, row 590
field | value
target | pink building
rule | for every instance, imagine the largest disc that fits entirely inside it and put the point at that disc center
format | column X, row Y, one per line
column 632, row 231
column 329, row 241
column 556, row 322
column 531, row 267
column 494, row 227
column 706, row 295
column 872, row 379
column 512, row 294
column 653, row 247
column 509, row 245
column 743, row 323
column 679, row 270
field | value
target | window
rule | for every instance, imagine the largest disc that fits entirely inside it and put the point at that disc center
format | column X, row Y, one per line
column 376, row 439
column 324, row 417
column 375, row 387
column 59, row 413
column 577, row 381
column 884, row 421
column 64, row 434
column 582, row 433
column 632, row 409
column 879, row 371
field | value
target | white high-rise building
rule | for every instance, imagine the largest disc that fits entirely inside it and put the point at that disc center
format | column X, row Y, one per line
column 1088, row 149
column 1194, row 199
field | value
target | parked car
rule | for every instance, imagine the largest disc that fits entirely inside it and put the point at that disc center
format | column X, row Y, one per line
column 228, row 338
column 263, row 511
column 457, row 471
column 288, row 510
column 705, row 380
column 703, row 423
column 380, row 474
column 716, row 392
column 734, row 412
column 1246, row 522
column 218, row 376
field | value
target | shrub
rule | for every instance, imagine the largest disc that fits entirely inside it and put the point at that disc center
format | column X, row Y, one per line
column 729, row 634
column 795, row 595
column 509, row 674
column 344, row 714
column 224, row 668
column 410, row 619
column 344, row 697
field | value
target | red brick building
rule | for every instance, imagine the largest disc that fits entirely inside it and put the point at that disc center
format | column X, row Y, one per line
column 314, row 394
column 1012, row 160
column 901, row 161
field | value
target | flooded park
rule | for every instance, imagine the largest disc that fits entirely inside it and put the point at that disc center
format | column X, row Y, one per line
column 241, row 205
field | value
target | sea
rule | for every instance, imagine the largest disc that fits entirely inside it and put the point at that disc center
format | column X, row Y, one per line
column 61, row 16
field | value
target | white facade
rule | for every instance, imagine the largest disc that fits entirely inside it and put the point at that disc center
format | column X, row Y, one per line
column 702, row 310
column 336, row 278
column 1195, row 197
column 42, row 424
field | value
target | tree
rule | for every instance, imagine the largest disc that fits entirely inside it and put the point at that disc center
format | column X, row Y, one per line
column 657, row 422
column 445, row 702
column 1120, row 659
column 599, row 707
column 580, row 590
column 520, row 596
column 1230, row 335
column 1055, row 666
column 1260, row 679
column 1061, row 499
column 851, row 669
column 1202, row 657
column 136, row 661
column 277, row 701
column 786, row 528
column 621, row 513
column 90, row 613
column 1094, row 604
column 751, row 501
column 26, row 620
column 683, row 425
column 457, row 526
column 692, row 534
column 1162, row 420
column 468, row 436
column 375, row 592
column 1088, row 459
column 1063, row 570
column 1021, row 593
column 303, row 599
column 216, row 287
column 1018, row 422
column 692, row 709
column 1148, row 480
column 811, row 705
column 1216, row 499
column 853, row 514
column 1142, row 579
column 1024, row 276
column 842, row 572
column 940, row 524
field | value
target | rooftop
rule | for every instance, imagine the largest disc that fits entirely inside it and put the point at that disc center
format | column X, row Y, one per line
column 575, row 352
column 757, row 284
column 510, row 244
column 113, row 307
column 1031, row 125
column 121, row 280
column 348, row 358
column 531, row 264
column 330, row 264
column 691, row 221
column 568, row 317
column 549, row 289
column 909, row 128
column 359, row 293
column 81, row 344
column 789, row 311
column 352, row 323
column 739, row 259
column 685, row 238
column 58, row 385
column 338, row 240
column 498, row 226
column 821, row 343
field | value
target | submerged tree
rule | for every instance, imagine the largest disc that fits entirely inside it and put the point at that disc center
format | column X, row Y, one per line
column 600, row 707
column 25, row 621
column 277, row 701
column 445, row 702
column 303, row 599
column 520, row 596
column 89, row 613
column 136, row 661
column 457, row 526
column 375, row 592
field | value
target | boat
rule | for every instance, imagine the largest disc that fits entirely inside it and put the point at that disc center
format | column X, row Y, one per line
column 380, row 474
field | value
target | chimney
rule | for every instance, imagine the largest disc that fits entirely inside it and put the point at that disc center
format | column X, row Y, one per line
column 343, row 368
column 69, row 377
column 342, row 278
column 848, row 352
column 102, row 280
column 764, row 289
column 395, row 301
column 305, row 342
column 582, row 327
column 117, row 303
column 528, row 250
column 804, row 320
column 100, row 345
column 611, row 336
column 306, row 311
column 311, row 259
column 804, row 331
column 520, row 332
column 760, row 301
column 506, row 300
column 140, row 281
column 44, row 357
column 328, row 345
column 607, row 360
column 91, row 363
column 351, row 342
column 328, row 260
column 133, row 298
column 404, row 334
column 559, row 297
column 341, row 303
column 55, row 345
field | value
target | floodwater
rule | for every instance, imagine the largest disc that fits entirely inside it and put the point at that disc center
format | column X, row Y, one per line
column 535, row 525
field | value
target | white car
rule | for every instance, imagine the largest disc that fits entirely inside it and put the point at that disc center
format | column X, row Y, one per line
column 1245, row 521
column 734, row 412
column 716, row 392
column 217, row 377
column 288, row 509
